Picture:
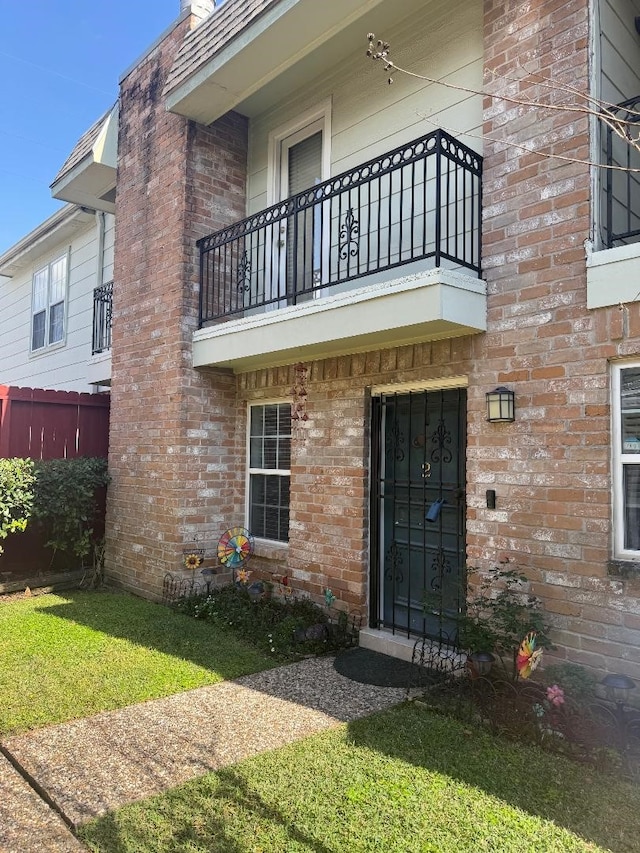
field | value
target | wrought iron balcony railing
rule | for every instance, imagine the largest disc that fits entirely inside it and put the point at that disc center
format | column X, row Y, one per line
column 420, row 202
column 102, row 310
column 622, row 184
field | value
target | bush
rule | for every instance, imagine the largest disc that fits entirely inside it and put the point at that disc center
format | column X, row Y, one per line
column 290, row 628
column 16, row 495
column 576, row 681
column 65, row 502
column 503, row 609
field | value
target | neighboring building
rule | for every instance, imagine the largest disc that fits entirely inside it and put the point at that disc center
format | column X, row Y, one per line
column 55, row 303
column 381, row 307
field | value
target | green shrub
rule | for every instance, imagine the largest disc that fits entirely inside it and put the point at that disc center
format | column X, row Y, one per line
column 576, row 681
column 502, row 607
column 16, row 495
column 287, row 628
column 65, row 502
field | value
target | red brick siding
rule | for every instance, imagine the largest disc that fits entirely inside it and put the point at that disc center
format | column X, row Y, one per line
column 550, row 468
column 173, row 458
column 178, row 436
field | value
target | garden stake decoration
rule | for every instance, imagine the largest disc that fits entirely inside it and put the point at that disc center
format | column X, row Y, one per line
column 235, row 548
column 528, row 655
column 192, row 560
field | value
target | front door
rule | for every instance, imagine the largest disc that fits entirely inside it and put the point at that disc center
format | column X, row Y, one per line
column 418, row 518
column 301, row 167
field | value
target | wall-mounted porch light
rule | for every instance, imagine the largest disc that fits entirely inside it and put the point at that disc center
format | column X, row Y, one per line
column 501, row 405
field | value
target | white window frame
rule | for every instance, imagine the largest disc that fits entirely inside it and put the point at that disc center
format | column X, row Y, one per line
column 281, row 472
column 304, row 125
column 47, row 268
column 619, row 460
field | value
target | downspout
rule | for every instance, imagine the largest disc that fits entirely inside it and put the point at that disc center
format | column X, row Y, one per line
column 100, row 225
column 595, row 153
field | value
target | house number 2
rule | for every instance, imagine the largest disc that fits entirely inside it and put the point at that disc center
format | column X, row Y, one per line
column 426, row 470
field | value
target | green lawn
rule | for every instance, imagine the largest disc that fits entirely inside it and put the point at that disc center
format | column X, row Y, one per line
column 70, row 656
column 405, row 781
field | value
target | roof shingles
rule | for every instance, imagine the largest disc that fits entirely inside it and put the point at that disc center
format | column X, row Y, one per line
column 202, row 43
column 83, row 146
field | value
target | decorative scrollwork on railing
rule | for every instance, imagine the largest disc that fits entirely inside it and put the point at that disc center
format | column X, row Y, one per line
column 349, row 227
column 437, row 140
column 244, row 273
column 349, row 230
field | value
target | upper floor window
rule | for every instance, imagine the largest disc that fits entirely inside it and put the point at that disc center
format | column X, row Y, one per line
column 49, row 297
column 626, row 459
column 269, row 470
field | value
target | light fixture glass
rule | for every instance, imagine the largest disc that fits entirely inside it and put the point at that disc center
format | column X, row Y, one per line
column 617, row 687
column 501, row 405
column 482, row 661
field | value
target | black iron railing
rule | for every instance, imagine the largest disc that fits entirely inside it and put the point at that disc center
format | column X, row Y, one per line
column 421, row 201
column 622, row 184
column 102, row 310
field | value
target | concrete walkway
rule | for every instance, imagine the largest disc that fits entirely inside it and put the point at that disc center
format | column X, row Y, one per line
column 87, row 767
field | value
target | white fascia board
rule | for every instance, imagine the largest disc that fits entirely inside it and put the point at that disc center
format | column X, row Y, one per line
column 95, row 175
column 424, row 306
column 56, row 229
column 613, row 276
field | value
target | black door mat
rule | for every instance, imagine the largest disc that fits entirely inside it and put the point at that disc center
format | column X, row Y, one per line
column 369, row 667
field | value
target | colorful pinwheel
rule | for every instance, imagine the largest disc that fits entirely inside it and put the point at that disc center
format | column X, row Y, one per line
column 528, row 655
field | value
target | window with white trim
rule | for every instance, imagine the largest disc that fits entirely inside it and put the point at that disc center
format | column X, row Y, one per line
column 626, row 459
column 49, row 298
column 269, row 470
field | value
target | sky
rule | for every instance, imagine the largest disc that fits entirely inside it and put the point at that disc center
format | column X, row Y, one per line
column 60, row 62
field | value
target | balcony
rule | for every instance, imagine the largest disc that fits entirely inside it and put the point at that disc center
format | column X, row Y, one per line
column 386, row 254
column 102, row 310
column 612, row 272
column 622, row 188
column 99, row 366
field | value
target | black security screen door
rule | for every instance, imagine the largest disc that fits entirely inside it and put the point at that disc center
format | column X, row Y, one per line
column 418, row 511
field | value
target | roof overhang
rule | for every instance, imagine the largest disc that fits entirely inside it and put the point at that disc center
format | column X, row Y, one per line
column 420, row 307
column 51, row 234
column 270, row 45
column 91, row 181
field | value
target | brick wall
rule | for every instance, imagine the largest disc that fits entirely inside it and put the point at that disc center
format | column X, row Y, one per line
column 178, row 436
column 329, row 530
column 172, row 442
column 550, row 468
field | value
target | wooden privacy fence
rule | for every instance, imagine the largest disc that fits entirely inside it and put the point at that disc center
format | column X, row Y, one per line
column 40, row 424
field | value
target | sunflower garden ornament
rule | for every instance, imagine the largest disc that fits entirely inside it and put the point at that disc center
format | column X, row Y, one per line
column 192, row 561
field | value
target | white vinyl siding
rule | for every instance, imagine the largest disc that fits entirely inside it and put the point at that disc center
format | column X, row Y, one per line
column 619, row 49
column 108, row 247
column 369, row 117
column 58, row 367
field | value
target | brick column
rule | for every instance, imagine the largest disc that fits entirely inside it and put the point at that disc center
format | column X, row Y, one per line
column 172, row 428
column 550, row 468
